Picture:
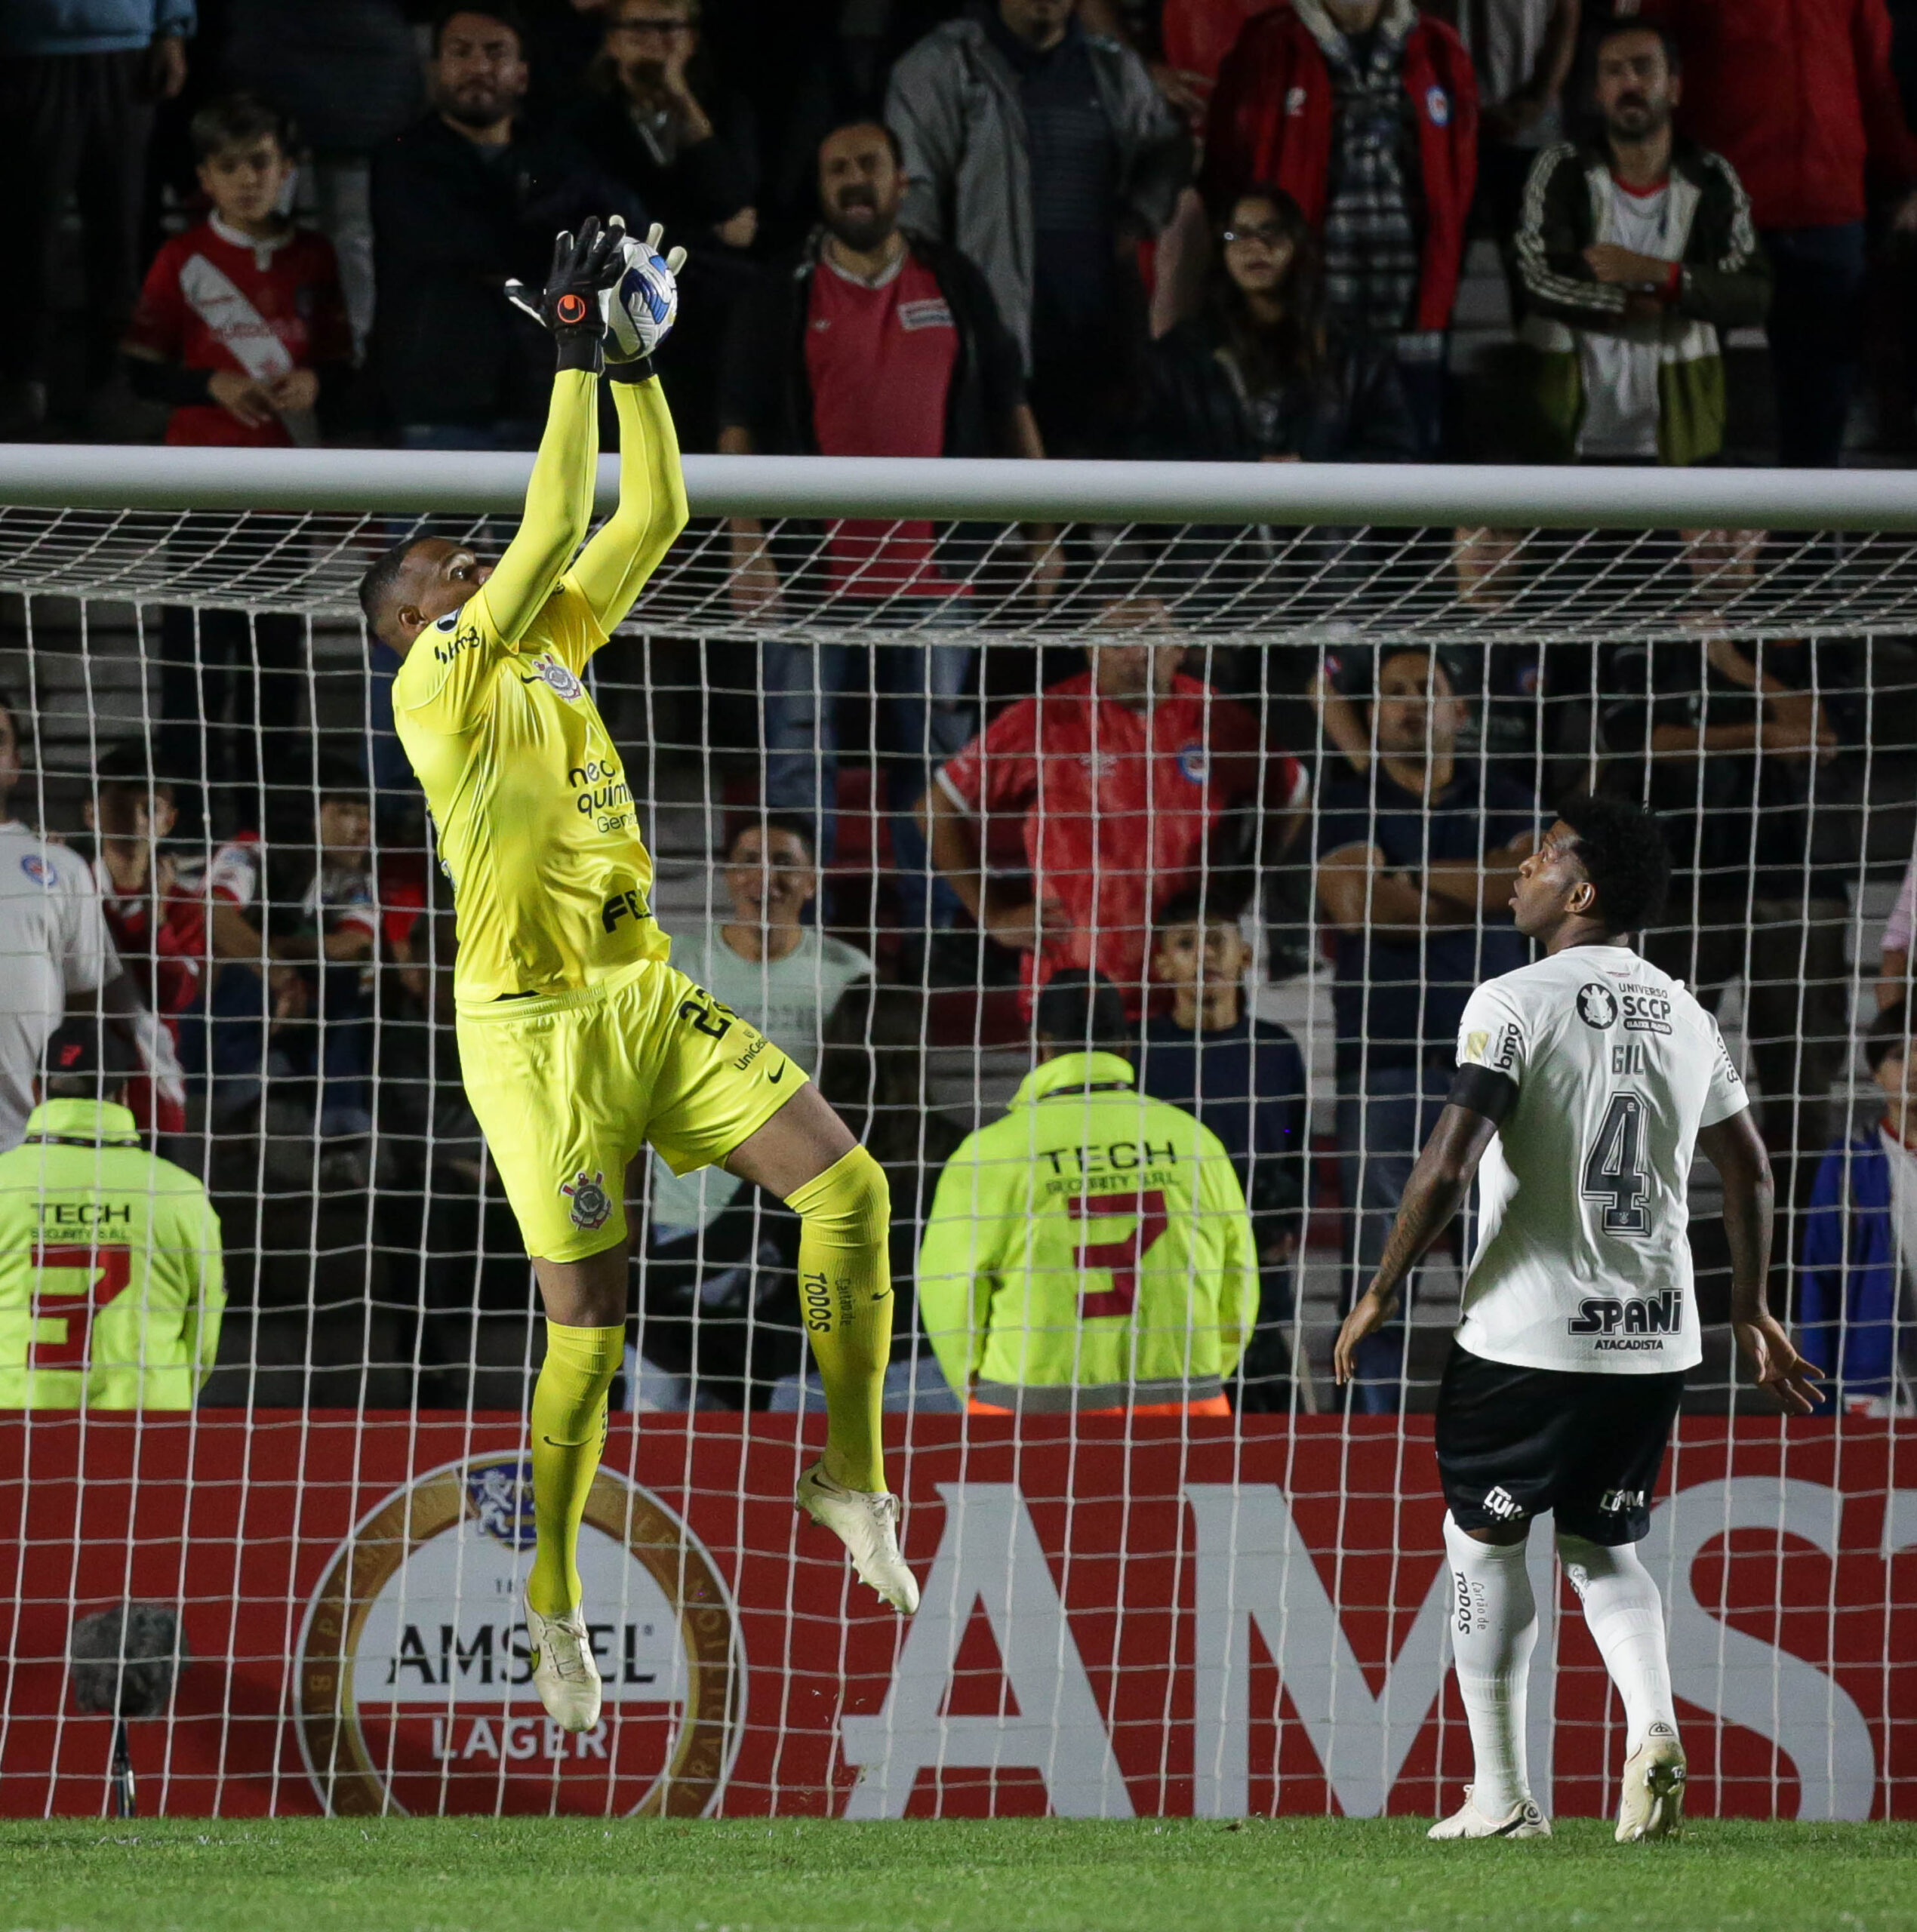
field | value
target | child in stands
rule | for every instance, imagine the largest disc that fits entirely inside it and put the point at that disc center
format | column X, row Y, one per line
column 241, row 329
column 240, row 325
column 1245, row 1078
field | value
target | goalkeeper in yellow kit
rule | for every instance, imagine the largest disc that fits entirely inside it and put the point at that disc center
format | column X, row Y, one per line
column 577, row 1040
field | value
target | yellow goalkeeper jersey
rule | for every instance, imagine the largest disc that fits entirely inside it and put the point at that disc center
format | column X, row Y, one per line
column 537, row 825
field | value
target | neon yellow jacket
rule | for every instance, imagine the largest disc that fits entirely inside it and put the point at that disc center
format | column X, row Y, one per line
column 110, row 1280
column 1090, row 1250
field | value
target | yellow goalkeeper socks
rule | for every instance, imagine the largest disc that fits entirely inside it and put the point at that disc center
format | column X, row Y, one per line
column 569, row 1432
column 845, row 1303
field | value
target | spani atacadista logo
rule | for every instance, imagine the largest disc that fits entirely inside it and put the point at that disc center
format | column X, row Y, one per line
column 415, row 1692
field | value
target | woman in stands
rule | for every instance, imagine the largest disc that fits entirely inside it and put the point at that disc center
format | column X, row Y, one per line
column 1257, row 376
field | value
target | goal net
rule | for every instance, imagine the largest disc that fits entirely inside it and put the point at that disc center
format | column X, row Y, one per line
column 903, row 755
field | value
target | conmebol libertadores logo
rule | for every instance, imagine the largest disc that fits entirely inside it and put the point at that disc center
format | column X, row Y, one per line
column 414, row 1688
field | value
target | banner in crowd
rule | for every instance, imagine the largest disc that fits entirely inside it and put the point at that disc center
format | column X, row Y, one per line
column 1120, row 1619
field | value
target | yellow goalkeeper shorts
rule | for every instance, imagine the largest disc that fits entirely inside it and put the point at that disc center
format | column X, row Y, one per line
column 566, row 1086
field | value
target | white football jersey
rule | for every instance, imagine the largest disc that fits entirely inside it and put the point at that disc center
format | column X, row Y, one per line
column 52, row 942
column 1582, row 1260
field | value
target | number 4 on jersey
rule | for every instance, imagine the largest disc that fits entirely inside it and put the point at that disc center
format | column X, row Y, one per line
column 1614, row 1169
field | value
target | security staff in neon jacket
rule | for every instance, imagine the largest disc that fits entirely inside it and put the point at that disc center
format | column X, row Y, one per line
column 1090, row 1251
column 110, row 1280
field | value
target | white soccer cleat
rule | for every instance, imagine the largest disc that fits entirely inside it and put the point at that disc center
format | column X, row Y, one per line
column 564, row 1672
column 1651, row 1805
column 1523, row 1820
column 866, row 1521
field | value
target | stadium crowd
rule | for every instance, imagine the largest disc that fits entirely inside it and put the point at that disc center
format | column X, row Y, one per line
column 1023, row 227
column 1187, row 229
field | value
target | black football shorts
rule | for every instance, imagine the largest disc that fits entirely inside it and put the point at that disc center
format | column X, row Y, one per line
column 1514, row 1442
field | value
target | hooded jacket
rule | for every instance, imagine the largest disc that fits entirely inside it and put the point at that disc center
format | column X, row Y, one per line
column 954, row 104
column 1273, row 119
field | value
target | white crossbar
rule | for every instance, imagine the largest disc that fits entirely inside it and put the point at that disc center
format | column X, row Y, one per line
column 1389, row 495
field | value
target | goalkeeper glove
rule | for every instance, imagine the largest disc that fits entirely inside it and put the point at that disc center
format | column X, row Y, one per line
column 583, row 267
column 641, row 307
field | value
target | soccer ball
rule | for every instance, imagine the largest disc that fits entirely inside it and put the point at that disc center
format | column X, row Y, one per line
column 641, row 307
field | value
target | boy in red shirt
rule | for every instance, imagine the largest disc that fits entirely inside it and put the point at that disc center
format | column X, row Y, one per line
column 242, row 328
column 240, row 325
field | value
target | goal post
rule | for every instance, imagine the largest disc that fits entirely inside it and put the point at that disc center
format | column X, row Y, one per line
column 92, row 476
column 1125, row 1613
column 1270, row 553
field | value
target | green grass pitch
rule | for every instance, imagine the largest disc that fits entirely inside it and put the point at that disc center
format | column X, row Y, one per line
column 748, row 1876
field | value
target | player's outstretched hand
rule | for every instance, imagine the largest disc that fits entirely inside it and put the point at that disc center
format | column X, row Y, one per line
column 1369, row 1313
column 584, row 265
column 157, row 1055
column 642, row 306
column 1777, row 1364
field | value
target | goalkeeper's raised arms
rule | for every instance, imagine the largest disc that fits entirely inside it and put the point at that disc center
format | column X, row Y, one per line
column 652, row 510
column 613, row 568
column 559, row 511
column 640, row 310
column 419, row 582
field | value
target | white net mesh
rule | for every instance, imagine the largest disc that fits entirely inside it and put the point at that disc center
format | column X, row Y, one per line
column 1221, row 584
column 1162, row 1608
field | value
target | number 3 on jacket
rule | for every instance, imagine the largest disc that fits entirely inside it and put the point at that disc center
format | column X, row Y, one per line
column 1122, row 1256
column 62, row 1317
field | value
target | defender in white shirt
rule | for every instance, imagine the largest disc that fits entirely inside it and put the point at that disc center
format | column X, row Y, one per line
column 55, row 950
column 1584, row 1083
column 53, row 947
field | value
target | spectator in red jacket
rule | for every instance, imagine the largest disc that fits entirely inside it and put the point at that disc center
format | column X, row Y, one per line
column 1798, row 96
column 1365, row 112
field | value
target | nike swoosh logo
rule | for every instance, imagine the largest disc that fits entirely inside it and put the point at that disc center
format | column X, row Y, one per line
column 773, row 1079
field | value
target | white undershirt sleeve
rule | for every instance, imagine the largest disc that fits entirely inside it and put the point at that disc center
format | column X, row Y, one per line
column 87, row 957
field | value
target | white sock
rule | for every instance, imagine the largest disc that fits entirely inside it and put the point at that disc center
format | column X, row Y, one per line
column 1494, row 1627
column 1626, row 1616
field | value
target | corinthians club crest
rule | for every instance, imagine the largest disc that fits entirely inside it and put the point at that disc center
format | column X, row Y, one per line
column 413, row 1685
column 557, row 677
column 1597, row 1005
column 591, row 1203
